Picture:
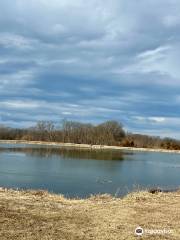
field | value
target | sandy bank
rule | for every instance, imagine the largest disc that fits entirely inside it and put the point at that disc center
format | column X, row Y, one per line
column 39, row 215
column 87, row 146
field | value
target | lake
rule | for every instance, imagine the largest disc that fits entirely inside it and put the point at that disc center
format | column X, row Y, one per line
column 80, row 173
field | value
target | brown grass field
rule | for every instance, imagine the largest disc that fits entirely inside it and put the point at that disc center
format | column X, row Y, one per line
column 43, row 216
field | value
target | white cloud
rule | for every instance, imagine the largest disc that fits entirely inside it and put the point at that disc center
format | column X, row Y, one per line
column 152, row 120
column 157, row 119
column 9, row 40
column 154, row 54
column 17, row 104
column 17, row 81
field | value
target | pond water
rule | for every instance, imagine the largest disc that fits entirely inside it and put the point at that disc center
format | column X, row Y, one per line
column 80, row 173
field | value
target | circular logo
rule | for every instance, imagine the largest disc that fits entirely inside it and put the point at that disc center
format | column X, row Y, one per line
column 139, row 231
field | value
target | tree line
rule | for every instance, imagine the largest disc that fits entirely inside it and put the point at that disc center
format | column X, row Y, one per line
column 107, row 133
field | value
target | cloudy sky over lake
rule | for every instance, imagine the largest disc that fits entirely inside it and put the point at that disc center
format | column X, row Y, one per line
column 91, row 61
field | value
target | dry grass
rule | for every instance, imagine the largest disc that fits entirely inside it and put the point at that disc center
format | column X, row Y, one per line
column 39, row 215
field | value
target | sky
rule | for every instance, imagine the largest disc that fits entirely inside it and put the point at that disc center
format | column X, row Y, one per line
column 91, row 61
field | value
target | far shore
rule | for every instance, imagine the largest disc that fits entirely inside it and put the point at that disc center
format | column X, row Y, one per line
column 88, row 146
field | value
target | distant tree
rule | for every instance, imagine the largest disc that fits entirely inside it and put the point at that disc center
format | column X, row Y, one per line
column 107, row 133
column 116, row 129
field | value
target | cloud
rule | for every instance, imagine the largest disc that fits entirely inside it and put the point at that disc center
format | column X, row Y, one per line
column 153, row 120
column 8, row 40
column 91, row 61
column 18, row 104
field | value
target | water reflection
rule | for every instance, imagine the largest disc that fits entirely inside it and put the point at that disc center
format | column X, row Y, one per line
column 46, row 152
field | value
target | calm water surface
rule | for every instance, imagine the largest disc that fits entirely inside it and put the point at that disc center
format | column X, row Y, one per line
column 79, row 173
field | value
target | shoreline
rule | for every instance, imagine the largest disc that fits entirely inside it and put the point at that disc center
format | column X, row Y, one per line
column 87, row 146
column 32, row 215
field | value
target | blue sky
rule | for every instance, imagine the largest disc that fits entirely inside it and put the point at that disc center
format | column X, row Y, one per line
column 91, row 61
